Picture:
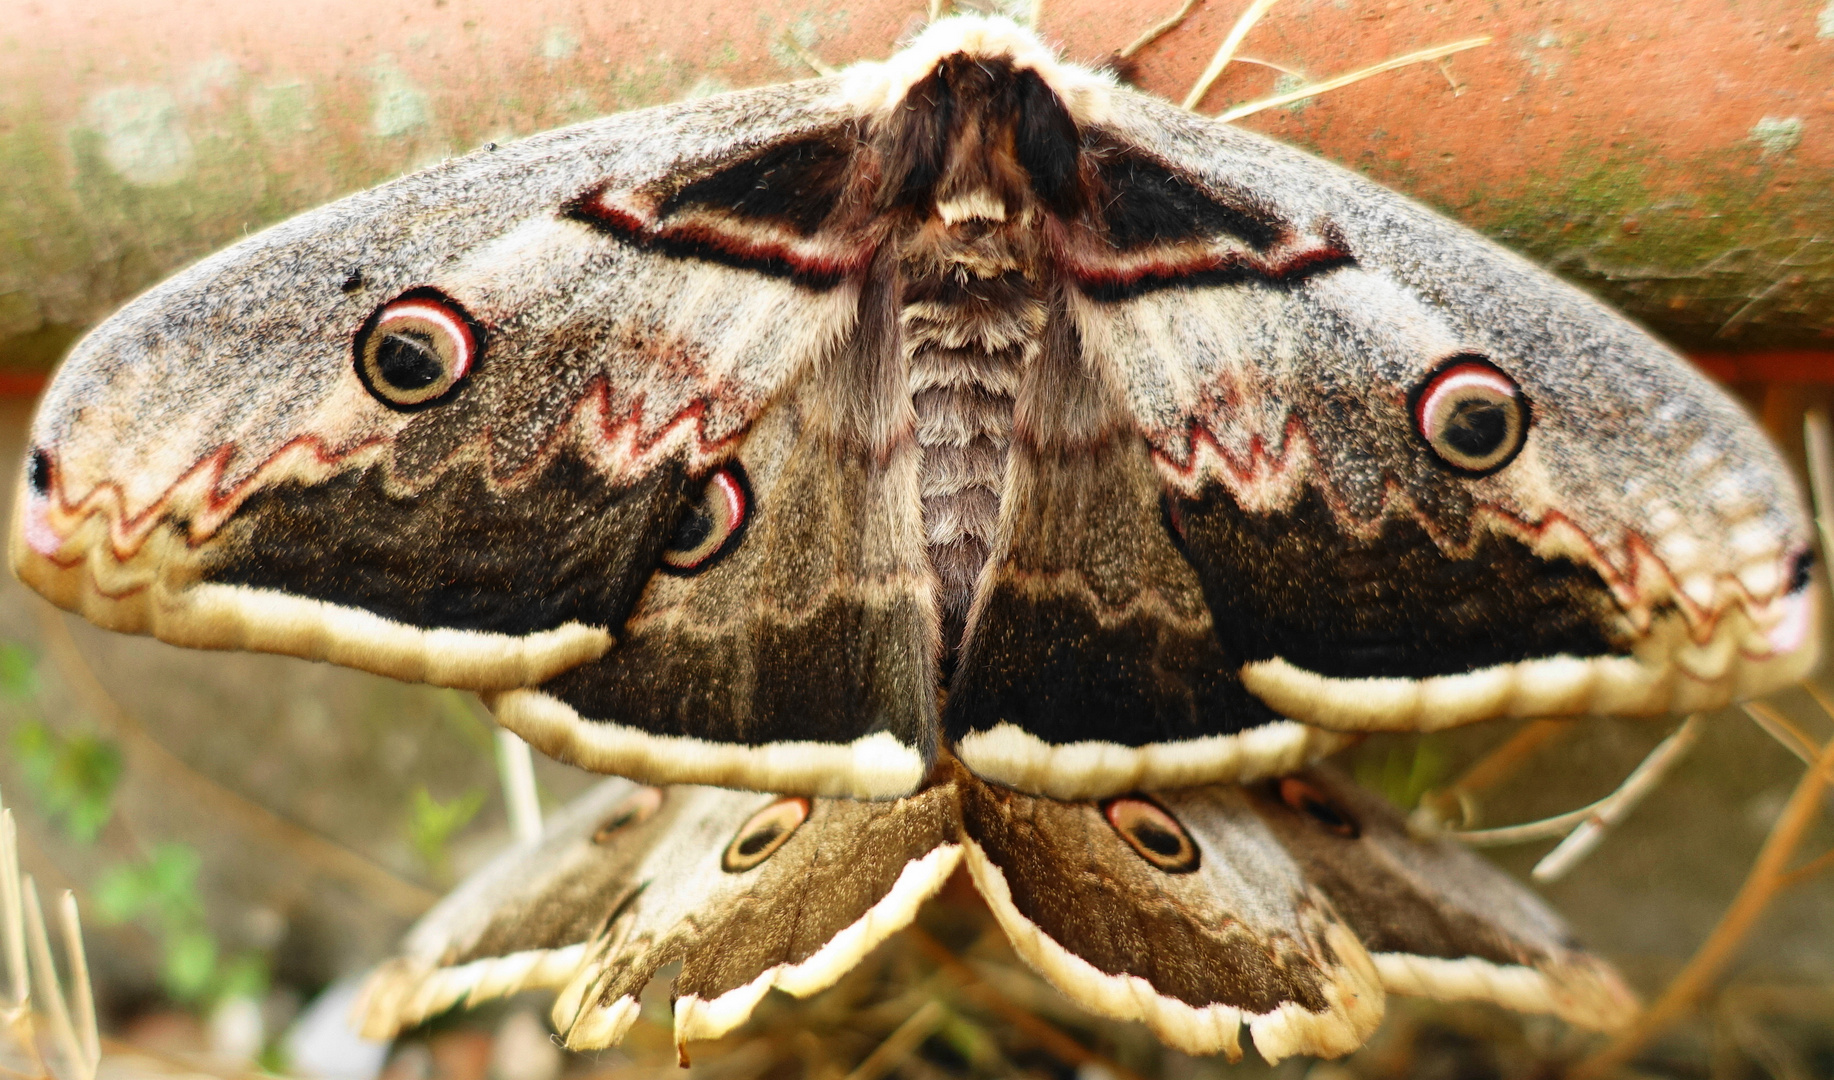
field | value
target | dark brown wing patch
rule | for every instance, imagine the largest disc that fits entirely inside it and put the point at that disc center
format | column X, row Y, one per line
column 763, row 213
column 1300, row 585
column 453, row 551
column 1149, row 203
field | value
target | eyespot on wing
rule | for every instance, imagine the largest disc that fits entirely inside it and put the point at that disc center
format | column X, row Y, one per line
column 1472, row 415
column 763, row 833
column 1153, row 833
column 416, row 349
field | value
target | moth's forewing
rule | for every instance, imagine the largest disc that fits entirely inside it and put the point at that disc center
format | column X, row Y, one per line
column 1642, row 548
column 718, row 438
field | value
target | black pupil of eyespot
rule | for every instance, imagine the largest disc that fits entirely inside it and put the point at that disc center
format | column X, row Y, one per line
column 693, row 529
column 408, row 361
column 1157, row 840
column 761, row 839
column 1477, row 426
column 1327, row 814
column 38, row 472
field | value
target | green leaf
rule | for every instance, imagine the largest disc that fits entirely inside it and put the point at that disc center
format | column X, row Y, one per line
column 163, row 888
column 18, row 671
column 242, row 975
column 119, row 894
column 190, row 964
column 162, row 893
column 35, row 751
column 432, row 823
column 73, row 777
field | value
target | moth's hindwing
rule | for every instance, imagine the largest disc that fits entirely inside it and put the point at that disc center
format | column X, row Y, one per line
column 1288, row 906
column 745, row 891
column 523, row 921
column 1439, row 920
column 1195, row 924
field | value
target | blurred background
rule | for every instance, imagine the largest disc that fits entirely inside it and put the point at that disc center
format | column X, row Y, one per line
column 247, row 835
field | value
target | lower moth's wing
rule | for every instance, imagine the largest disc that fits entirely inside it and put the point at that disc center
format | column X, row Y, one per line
column 1438, row 920
column 451, row 429
column 1194, row 924
column 754, row 892
column 523, row 921
column 745, row 891
column 1422, row 482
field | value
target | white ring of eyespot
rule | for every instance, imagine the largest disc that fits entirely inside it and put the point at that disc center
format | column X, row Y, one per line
column 725, row 526
column 1461, row 376
column 459, row 351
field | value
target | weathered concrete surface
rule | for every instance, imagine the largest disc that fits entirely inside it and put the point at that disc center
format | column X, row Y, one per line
column 1676, row 158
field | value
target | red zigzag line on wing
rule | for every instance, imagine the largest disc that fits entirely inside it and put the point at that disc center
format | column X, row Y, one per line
column 108, row 498
column 1637, row 551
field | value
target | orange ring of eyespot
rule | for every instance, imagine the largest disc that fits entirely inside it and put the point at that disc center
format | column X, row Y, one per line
column 1463, row 379
column 1306, row 799
column 723, row 511
column 420, row 320
column 1154, row 834
column 763, row 833
column 638, row 807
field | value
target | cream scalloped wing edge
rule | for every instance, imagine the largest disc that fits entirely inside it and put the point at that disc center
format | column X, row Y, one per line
column 401, row 994
column 134, row 598
column 1353, row 994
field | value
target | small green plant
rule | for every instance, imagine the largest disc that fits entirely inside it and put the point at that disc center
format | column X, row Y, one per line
column 72, row 777
column 1407, row 771
column 161, row 893
column 431, row 825
column 18, row 671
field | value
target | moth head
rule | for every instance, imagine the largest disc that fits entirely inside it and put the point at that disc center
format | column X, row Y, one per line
column 763, row 833
column 415, row 350
column 1471, row 414
column 713, row 523
column 1153, row 833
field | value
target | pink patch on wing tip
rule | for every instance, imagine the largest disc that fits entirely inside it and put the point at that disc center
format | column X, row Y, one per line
column 1791, row 630
column 39, row 535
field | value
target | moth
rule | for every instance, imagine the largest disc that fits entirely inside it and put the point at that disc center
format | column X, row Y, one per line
column 965, row 402
column 1289, row 907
